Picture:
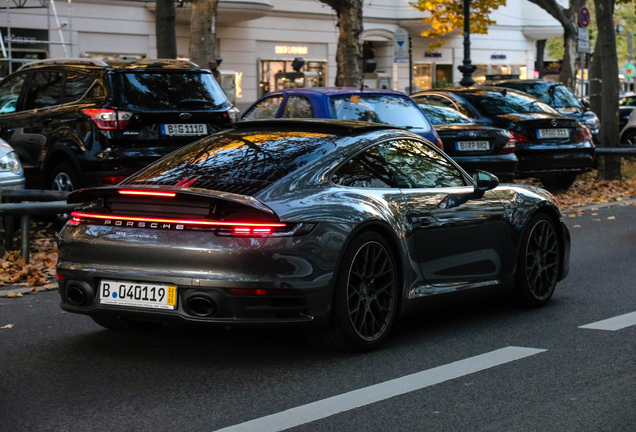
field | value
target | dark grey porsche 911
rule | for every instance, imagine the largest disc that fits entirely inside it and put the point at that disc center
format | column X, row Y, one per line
column 338, row 226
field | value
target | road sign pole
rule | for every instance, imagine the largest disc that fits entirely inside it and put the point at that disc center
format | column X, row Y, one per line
column 410, row 65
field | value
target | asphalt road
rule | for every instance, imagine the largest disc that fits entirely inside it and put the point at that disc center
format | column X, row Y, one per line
column 479, row 367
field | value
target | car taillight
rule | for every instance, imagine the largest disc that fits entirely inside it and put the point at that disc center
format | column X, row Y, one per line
column 265, row 292
column 108, row 118
column 520, row 138
column 583, row 135
column 439, row 143
column 510, row 145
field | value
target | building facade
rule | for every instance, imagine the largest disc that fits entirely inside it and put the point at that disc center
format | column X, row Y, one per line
column 258, row 40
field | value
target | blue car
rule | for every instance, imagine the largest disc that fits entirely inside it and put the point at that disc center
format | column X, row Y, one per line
column 349, row 103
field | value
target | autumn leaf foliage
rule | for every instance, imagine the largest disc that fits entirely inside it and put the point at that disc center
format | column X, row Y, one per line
column 448, row 15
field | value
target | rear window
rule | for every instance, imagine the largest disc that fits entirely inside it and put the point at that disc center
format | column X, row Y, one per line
column 172, row 91
column 241, row 163
column 554, row 94
column 385, row 109
column 507, row 102
column 439, row 115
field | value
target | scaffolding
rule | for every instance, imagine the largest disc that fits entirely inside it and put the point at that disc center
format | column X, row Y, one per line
column 7, row 42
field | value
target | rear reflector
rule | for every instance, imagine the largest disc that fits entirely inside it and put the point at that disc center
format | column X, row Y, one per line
column 264, row 292
column 112, row 180
column 147, row 193
column 60, row 277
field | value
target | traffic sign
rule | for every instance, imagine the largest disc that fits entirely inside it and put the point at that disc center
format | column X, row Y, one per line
column 584, row 17
column 400, row 46
column 584, row 34
column 629, row 70
column 583, row 46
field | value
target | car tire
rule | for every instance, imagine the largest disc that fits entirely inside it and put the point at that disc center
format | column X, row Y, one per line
column 113, row 322
column 63, row 178
column 629, row 139
column 558, row 181
column 539, row 263
column 365, row 297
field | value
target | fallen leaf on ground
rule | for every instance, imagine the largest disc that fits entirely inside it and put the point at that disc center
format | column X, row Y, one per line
column 8, row 326
column 577, row 226
column 13, row 295
column 611, row 217
column 48, row 287
column 33, row 290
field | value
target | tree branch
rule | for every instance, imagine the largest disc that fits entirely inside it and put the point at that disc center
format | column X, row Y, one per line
column 557, row 11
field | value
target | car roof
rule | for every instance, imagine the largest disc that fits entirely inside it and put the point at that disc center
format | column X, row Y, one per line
column 471, row 90
column 331, row 91
column 89, row 63
column 524, row 81
column 335, row 127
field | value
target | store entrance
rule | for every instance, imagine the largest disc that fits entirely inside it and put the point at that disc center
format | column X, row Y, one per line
column 280, row 74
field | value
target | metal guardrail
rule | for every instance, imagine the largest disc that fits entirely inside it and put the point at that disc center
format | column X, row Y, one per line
column 618, row 151
column 54, row 202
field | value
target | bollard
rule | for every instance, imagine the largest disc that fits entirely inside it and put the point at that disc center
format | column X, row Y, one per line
column 25, row 222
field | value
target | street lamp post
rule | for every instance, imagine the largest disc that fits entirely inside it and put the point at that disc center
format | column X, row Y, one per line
column 467, row 68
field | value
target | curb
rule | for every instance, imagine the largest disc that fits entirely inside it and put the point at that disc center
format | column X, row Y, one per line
column 25, row 291
column 627, row 202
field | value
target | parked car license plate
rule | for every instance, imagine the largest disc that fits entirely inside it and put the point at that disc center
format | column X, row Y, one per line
column 553, row 133
column 472, row 145
column 138, row 294
column 184, row 129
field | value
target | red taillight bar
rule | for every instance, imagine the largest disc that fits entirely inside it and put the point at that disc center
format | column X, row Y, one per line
column 147, row 193
column 178, row 221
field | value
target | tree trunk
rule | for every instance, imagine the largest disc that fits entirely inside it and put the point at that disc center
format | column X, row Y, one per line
column 568, row 67
column 203, row 33
column 596, row 98
column 609, row 166
column 541, row 57
column 165, row 29
column 349, row 53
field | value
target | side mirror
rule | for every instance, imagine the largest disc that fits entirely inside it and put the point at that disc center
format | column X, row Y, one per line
column 585, row 104
column 484, row 181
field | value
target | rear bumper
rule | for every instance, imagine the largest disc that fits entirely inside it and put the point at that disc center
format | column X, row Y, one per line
column 499, row 165
column 573, row 158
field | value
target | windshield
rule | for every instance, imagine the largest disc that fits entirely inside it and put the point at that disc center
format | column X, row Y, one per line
column 506, row 102
column 172, row 91
column 238, row 163
column 554, row 94
column 386, row 109
column 439, row 115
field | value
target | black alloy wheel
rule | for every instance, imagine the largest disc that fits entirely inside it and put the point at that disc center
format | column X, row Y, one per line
column 113, row 322
column 558, row 181
column 365, row 300
column 539, row 262
column 63, row 178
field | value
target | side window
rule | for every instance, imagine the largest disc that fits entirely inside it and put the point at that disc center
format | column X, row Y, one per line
column 76, row 87
column 368, row 169
column 298, row 107
column 441, row 101
column 10, row 93
column 416, row 165
column 265, row 109
column 45, row 89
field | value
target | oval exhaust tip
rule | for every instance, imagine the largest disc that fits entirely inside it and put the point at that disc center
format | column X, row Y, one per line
column 201, row 306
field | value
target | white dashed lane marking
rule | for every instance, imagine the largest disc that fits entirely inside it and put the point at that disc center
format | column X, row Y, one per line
column 613, row 324
column 379, row 392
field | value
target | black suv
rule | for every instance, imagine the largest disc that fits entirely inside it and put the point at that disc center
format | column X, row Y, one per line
column 83, row 122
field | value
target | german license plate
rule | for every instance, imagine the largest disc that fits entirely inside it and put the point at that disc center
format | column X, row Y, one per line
column 137, row 294
column 553, row 133
column 472, row 145
column 184, row 129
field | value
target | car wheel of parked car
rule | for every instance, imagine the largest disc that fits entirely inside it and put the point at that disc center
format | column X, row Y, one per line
column 365, row 298
column 629, row 139
column 113, row 322
column 558, row 181
column 64, row 177
column 539, row 262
